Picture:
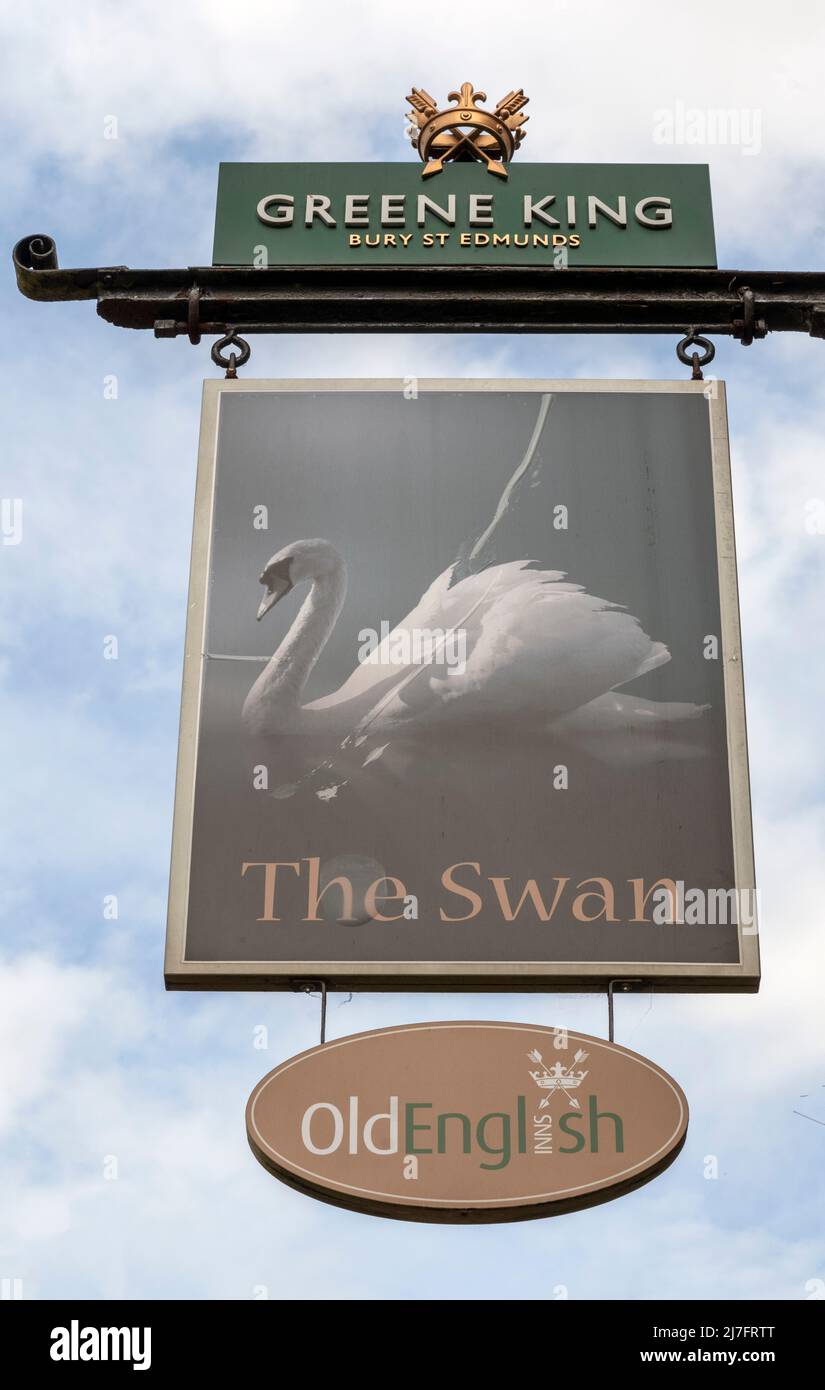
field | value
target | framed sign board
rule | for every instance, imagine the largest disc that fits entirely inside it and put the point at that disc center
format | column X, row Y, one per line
column 385, row 215
column 462, row 694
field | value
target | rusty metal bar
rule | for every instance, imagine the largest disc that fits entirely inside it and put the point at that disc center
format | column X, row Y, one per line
column 431, row 299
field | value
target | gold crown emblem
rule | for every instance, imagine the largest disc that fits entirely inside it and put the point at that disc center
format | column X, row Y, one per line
column 466, row 131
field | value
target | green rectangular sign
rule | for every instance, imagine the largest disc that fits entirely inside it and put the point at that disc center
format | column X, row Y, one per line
column 387, row 214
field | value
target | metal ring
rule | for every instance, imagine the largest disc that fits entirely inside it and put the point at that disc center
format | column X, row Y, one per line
column 694, row 360
column 231, row 363
column 748, row 318
column 749, row 326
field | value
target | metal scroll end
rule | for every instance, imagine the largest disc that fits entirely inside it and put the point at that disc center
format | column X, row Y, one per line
column 37, row 252
column 32, row 256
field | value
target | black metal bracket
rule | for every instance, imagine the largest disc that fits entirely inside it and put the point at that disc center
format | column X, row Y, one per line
column 749, row 326
column 221, row 300
column 315, row 987
column 612, row 986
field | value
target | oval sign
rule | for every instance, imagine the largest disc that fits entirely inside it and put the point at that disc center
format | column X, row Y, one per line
column 467, row 1121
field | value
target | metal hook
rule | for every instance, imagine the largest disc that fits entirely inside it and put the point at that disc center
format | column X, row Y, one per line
column 311, row 987
column 694, row 339
column 231, row 363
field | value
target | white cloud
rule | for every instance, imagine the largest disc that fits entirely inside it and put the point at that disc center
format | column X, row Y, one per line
column 329, row 83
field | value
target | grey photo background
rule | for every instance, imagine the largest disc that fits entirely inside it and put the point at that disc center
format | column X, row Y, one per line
column 398, row 486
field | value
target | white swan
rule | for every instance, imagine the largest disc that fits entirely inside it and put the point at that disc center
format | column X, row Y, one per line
column 541, row 655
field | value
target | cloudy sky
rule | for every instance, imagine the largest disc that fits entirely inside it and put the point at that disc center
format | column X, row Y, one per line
column 96, row 1061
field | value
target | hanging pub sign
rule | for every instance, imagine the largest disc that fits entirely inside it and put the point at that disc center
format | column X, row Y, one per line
column 462, row 699
column 524, row 1122
column 464, row 204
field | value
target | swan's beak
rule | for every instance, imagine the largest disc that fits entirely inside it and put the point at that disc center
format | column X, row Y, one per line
column 276, row 589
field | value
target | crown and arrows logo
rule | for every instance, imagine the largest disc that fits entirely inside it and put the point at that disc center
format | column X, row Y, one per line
column 466, row 131
column 558, row 1078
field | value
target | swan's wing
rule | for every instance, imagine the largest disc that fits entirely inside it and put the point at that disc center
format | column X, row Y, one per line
column 439, row 612
column 551, row 646
column 452, row 620
column 536, row 648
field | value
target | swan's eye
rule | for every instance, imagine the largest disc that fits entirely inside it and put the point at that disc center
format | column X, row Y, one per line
column 278, row 583
column 277, row 571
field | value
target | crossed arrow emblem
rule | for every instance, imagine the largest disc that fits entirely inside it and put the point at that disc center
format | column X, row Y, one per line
column 466, row 131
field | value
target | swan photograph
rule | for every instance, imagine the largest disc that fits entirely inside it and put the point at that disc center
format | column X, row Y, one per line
column 540, row 652
column 462, row 678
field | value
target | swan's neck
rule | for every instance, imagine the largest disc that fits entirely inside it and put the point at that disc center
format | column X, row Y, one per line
column 276, row 693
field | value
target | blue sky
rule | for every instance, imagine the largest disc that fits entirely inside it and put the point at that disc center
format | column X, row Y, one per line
column 95, row 1059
